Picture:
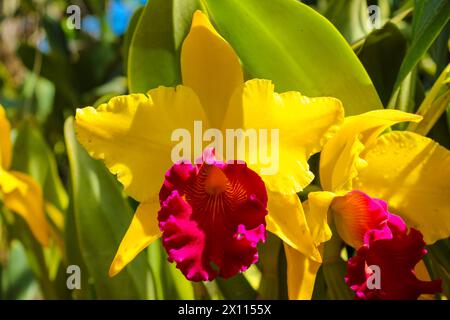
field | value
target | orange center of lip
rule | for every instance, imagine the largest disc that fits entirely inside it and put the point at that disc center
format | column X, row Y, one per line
column 216, row 182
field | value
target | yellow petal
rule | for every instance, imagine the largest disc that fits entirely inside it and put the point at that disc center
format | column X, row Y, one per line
column 411, row 173
column 142, row 231
column 356, row 130
column 301, row 274
column 347, row 166
column 287, row 220
column 27, row 201
column 210, row 67
column 132, row 135
column 5, row 140
column 304, row 125
column 316, row 212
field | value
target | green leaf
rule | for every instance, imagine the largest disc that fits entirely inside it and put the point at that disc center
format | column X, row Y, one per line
column 236, row 288
column 33, row 156
column 129, row 35
column 36, row 256
column 269, row 256
column 73, row 253
column 382, row 54
column 45, row 94
column 320, row 286
column 295, row 47
column 154, row 55
column 350, row 17
column 17, row 280
column 102, row 216
column 429, row 19
column 439, row 49
column 440, row 262
column 434, row 104
column 334, row 268
column 169, row 281
column 334, row 274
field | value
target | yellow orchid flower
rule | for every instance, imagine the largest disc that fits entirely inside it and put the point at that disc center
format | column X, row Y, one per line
column 21, row 193
column 132, row 135
column 408, row 171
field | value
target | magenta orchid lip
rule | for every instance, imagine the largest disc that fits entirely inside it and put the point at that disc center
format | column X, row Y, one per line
column 212, row 217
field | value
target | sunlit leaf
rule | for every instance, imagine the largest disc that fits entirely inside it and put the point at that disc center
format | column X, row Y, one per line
column 102, row 216
column 154, row 56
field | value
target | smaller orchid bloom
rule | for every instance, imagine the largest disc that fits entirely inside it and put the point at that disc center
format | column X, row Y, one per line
column 383, row 240
column 408, row 171
column 212, row 217
column 19, row 192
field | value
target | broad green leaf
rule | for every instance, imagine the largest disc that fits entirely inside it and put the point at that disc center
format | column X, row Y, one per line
column 73, row 254
column 33, row 156
column 295, row 47
column 382, row 54
column 154, row 55
column 102, row 215
column 129, row 36
column 429, row 19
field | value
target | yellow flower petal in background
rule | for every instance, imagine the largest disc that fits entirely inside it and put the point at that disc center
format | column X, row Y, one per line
column 365, row 128
column 27, row 201
column 301, row 269
column 411, row 173
column 304, row 125
column 287, row 220
column 347, row 166
column 9, row 183
column 301, row 274
column 316, row 212
column 5, row 140
column 142, row 231
column 210, row 67
column 132, row 135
